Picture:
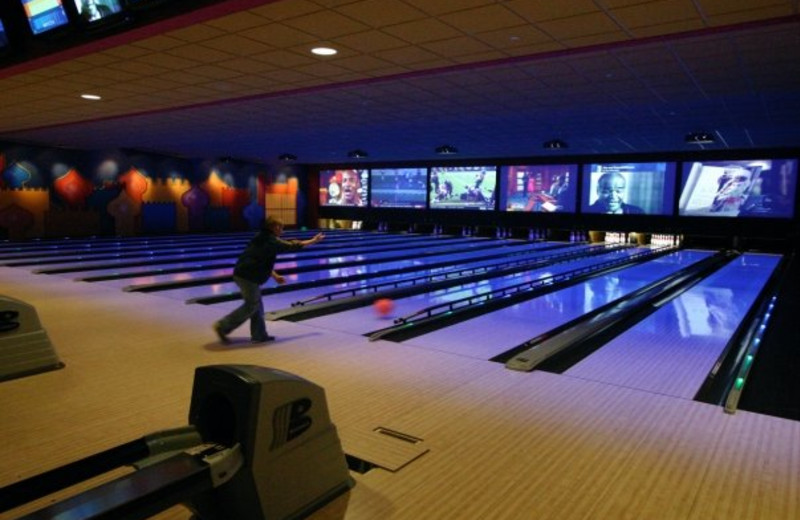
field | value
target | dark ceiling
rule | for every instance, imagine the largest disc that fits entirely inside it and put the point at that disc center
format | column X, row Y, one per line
column 493, row 78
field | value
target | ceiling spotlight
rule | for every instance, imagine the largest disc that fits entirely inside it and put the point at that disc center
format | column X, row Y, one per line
column 446, row 149
column 700, row 138
column 324, row 51
column 555, row 144
column 287, row 157
column 91, row 97
column 357, row 154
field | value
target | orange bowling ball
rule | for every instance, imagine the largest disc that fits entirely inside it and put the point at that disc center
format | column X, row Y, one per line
column 383, row 306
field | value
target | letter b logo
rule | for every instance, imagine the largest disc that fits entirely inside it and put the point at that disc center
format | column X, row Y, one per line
column 290, row 421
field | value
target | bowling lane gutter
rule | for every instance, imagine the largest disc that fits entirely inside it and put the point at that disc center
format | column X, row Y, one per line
column 454, row 278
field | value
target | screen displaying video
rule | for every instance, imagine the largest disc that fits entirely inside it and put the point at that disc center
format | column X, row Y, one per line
column 751, row 188
column 3, row 36
column 45, row 15
column 343, row 187
column 398, row 187
column 545, row 188
column 92, row 11
column 629, row 188
column 463, row 187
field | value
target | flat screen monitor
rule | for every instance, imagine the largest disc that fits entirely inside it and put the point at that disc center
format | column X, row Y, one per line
column 642, row 188
column 545, row 188
column 45, row 15
column 343, row 187
column 751, row 188
column 463, row 187
column 95, row 11
column 398, row 187
column 3, row 37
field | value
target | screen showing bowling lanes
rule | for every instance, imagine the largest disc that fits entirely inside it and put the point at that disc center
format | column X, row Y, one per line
column 642, row 188
column 45, row 15
column 751, row 188
column 463, row 187
column 545, row 188
column 343, row 187
column 398, row 187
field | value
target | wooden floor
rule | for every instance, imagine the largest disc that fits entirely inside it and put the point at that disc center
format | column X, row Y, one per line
column 496, row 444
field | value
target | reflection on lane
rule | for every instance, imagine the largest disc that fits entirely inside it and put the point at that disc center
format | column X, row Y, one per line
column 363, row 320
column 337, row 273
column 672, row 350
column 486, row 336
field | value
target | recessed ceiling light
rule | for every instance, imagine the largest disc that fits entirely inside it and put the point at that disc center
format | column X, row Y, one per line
column 446, row 149
column 700, row 138
column 324, row 51
column 555, row 144
column 91, row 97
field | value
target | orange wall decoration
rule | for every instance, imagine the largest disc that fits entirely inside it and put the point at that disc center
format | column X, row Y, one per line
column 73, row 189
column 136, row 184
column 214, row 186
column 35, row 201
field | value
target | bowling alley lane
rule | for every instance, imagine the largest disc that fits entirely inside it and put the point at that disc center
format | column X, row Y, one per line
column 672, row 351
column 489, row 335
column 375, row 270
column 473, row 260
column 423, row 249
column 463, row 338
column 154, row 257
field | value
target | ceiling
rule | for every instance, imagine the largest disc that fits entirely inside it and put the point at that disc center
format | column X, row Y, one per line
column 493, row 78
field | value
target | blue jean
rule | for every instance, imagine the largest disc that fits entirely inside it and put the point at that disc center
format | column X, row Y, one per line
column 252, row 308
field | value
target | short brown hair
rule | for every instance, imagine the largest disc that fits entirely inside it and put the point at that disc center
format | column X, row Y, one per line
column 271, row 224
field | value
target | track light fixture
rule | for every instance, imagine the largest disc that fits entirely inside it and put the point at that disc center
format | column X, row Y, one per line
column 357, row 154
column 446, row 149
column 554, row 144
column 287, row 157
column 700, row 138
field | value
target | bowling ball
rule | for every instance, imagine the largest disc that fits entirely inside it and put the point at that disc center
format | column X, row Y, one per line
column 383, row 306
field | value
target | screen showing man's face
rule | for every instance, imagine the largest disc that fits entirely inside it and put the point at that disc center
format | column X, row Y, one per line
column 610, row 191
column 349, row 187
column 737, row 182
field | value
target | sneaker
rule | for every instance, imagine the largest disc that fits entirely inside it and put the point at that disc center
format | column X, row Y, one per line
column 266, row 339
column 223, row 338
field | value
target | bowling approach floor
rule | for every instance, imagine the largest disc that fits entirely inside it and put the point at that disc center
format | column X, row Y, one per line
column 616, row 436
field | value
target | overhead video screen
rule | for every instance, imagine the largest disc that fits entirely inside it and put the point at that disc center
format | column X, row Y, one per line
column 92, row 11
column 343, row 187
column 45, row 15
column 398, row 187
column 463, row 187
column 3, row 36
column 645, row 188
column 545, row 188
column 752, row 188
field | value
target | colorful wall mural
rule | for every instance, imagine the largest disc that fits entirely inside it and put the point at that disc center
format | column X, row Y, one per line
column 48, row 192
